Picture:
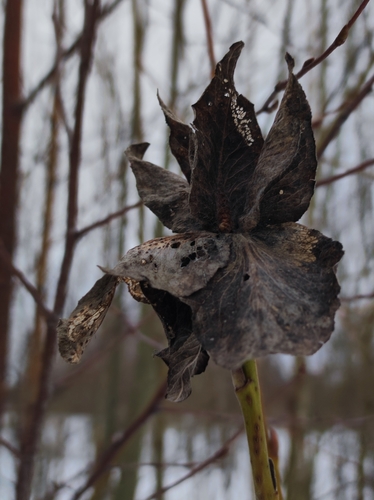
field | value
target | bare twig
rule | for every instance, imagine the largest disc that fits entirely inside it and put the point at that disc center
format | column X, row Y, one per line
column 9, row 447
column 64, row 56
column 313, row 62
column 357, row 297
column 359, row 168
column 347, row 109
column 209, row 37
column 106, row 458
column 198, row 468
column 102, row 222
column 5, row 257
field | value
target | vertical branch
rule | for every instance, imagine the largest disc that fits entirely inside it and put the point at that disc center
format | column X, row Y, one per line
column 35, row 349
column 88, row 36
column 209, row 37
column 138, row 12
column 10, row 140
column 177, row 46
column 31, row 433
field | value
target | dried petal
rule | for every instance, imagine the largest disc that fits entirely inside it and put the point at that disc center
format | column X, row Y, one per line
column 163, row 192
column 75, row 332
column 228, row 142
column 184, row 355
column 179, row 140
column 180, row 264
column 283, row 181
column 278, row 294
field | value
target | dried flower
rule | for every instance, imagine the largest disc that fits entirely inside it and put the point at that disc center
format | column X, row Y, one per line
column 242, row 279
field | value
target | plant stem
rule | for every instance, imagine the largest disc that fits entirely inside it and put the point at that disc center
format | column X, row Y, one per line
column 247, row 390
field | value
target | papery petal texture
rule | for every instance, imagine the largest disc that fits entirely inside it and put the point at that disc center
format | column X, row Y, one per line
column 75, row 332
column 163, row 192
column 278, row 294
column 283, row 181
column 227, row 144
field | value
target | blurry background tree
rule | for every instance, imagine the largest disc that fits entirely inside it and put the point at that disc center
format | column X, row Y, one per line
column 79, row 85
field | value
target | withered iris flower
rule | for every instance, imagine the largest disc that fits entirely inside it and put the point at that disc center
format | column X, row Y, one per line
column 242, row 279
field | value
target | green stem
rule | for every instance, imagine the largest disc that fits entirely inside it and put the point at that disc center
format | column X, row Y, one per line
column 247, row 390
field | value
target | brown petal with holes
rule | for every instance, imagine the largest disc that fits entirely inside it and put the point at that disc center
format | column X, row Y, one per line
column 180, row 264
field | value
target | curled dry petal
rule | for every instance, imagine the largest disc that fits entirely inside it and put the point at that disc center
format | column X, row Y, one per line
column 179, row 140
column 283, row 181
column 75, row 332
column 184, row 356
column 163, row 192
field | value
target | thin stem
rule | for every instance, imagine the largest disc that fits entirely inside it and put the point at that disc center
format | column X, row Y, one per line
column 247, row 390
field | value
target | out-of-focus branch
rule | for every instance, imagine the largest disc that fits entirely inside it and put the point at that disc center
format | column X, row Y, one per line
column 203, row 465
column 106, row 458
column 357, row 297
column 11, row 121
column 33, row 426
column 359, row 168
column 9, row 447
column 102, row 222
column 64, row 56
column 87, row 43
column 5, row 257
column 347, row 109
column 209, row 37
column 313, row 62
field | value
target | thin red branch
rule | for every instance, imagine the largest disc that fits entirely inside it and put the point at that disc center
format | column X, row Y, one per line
column 359, row 168
column 209, row 36
column 33, row 291
column 203, row 465
column 102, row 222
column 313, row 62
column 106, row 458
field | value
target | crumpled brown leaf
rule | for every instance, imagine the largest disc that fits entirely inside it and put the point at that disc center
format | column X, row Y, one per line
column 242, row 280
